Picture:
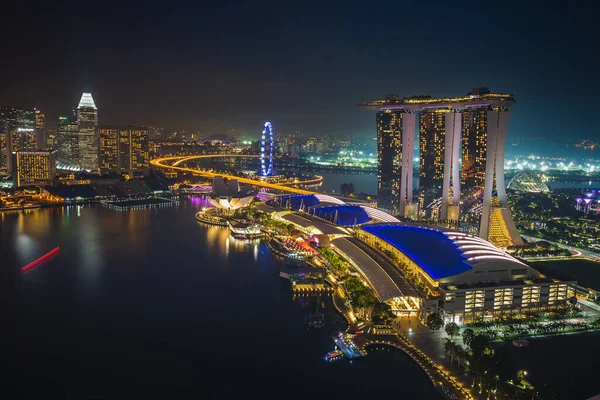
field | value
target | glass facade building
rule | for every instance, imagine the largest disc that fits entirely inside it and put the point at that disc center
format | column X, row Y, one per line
column 40, row 130
column 17, row 126
column 474, row 148
column 389, row 157
column 67, row 141
column 87, row 122
column 432, row 136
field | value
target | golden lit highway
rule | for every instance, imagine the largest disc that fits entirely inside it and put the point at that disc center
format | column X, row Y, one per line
column 173, row 163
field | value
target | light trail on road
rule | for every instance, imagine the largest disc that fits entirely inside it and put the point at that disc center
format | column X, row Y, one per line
column 160, row 163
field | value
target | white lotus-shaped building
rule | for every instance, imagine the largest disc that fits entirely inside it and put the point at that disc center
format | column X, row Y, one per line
column 227, row 194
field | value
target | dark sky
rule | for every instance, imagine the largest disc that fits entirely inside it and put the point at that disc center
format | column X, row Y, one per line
column 302, row 65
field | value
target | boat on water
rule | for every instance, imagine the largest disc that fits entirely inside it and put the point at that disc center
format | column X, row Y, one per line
column 520, row 343
column 316, row 320
column 334, row 355
column 37, row 262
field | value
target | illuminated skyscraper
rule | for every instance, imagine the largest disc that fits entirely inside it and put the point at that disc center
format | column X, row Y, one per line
column 496, row 223
column 87, row 121
column 483, row 117
column 109, row 149
column 6, row 114
column 124, row 150
column 40, row 130
column 3, row 154
column 34, row 167
column 432, row 137
column 474, row 148
column 395, row 150
column 67, row 141
column 51, row 141
column 18, row 129
column 389, row 157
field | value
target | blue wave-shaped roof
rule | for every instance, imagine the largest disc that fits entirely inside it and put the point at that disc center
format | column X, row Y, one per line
column 295, row 202
column 435, row 252
column 347, row 215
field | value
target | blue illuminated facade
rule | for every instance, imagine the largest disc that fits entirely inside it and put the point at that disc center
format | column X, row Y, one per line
column 432, row 250
column 298, row 202
column 344, row 215
column 266, row 166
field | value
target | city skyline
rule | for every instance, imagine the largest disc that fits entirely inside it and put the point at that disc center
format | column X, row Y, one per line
column 195, row 77
column 361, row 199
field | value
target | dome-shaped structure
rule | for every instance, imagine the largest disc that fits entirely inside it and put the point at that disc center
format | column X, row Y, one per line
column 227, row 194
column 528, row 181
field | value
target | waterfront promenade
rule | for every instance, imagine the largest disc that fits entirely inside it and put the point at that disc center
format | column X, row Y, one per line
column 426, row 354
column 417, row 341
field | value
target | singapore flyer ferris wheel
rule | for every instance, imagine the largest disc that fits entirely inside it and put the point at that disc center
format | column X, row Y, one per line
column 266, row 150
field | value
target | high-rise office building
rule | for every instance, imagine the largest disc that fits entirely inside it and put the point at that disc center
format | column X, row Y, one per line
column 34, row 167
column 474, row 148
column 109, row 149
column 18, row 128
column 124, row 150
column 432, row 137
column 67, row 141
column 51, row 141
column 87, row 121
column 389, row 158
column 40, row 130
column 24, row 136
column 6, row 121
column 3, row 154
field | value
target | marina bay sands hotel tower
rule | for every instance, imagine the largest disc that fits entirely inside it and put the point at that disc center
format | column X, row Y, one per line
column 472, row 128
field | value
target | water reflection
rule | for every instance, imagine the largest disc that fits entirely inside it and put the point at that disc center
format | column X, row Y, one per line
column 90, row 250
column 26, row 248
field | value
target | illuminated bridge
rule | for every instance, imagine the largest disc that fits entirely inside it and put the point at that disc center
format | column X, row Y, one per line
column 173, row 163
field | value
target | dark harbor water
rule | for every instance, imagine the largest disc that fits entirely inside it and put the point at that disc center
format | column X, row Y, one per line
column 149, row 302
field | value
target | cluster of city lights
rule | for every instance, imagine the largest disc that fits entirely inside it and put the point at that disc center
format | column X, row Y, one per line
column 534, row 164
column 348, row 157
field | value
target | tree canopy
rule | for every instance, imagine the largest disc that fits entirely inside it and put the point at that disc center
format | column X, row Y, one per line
column 434, row 321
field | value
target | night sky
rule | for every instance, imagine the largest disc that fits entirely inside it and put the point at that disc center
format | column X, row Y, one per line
column 302, row 65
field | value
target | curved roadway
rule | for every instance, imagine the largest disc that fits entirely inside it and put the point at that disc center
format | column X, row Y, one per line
column 592, row 255
column 160, row 163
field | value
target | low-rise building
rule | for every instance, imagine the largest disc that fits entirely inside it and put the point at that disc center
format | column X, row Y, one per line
column 464, row 276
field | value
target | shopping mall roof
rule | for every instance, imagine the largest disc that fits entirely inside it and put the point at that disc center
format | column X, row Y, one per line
column 322, row 227
column 440, row 252
column 383, row 284
column 344, row 215
column 435, row 252
column 298, row 202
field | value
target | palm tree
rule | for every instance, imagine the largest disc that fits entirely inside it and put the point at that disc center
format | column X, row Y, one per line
column 461, row 354
column 468, row 335
column 452, row 329
column 447, row 346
